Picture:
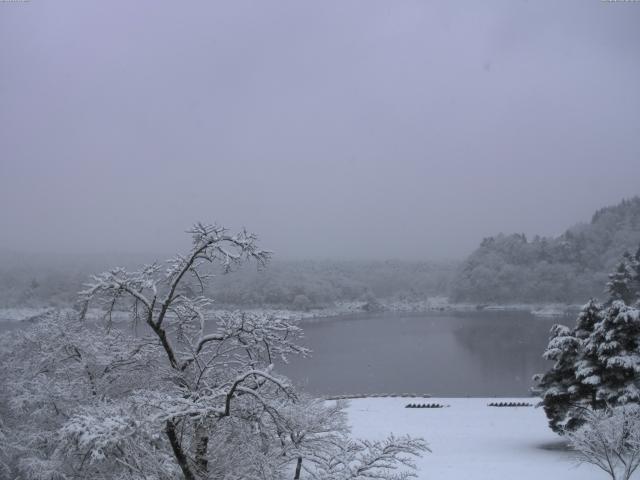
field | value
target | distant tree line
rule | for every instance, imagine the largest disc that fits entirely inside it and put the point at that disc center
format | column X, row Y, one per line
column 297, row 285
column 504, row 268
column 568, row 268
column 313, row 284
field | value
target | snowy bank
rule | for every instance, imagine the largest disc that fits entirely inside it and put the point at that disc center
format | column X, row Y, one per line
column 431, row 304
column 470, row 440
column 23, row 314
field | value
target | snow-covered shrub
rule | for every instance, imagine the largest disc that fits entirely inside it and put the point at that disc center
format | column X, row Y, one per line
column 610, row 439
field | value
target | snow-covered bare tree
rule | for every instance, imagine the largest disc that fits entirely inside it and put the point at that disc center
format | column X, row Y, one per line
column 320, row 443
column 391, row 458
column 5, row 452
column 217, row 372
column 313, row 427
column 68, row 402
column 189, row 393
column 610, row 440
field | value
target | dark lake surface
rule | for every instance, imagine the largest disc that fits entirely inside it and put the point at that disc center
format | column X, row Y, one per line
column 443, row 354
column 486, row 353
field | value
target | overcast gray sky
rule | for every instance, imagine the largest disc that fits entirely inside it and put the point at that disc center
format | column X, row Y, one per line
column 365, row 129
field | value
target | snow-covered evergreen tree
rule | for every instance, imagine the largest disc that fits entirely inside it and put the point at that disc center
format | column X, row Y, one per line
column 596, row 364
column 588, row 369
column 559, row 386
column 615, row 346
column 635, row 273
column 621, row 284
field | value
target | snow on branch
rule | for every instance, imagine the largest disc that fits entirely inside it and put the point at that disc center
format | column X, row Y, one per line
column 610, row 440
column 192, row 394
column 389, row 459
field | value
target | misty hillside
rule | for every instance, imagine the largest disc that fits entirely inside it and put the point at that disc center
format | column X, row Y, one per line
column 41, row 281
column 315, row 284
column 45, row 280
column 568, row 268
column 504, row 269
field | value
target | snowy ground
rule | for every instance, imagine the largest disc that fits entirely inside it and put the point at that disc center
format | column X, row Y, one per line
column 471, row 441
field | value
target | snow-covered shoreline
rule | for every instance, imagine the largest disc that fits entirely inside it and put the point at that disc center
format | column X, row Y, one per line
column 432, row 304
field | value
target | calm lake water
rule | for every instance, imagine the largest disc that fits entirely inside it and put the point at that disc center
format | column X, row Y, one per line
column 443, row 354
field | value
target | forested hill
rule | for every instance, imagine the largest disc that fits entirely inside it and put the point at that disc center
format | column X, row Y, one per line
column 36, row 281
column 568, row 268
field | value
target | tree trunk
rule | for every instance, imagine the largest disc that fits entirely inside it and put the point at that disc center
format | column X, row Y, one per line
column 298, row 469
column 162, row 336
column 202, row 443
column 178, row 453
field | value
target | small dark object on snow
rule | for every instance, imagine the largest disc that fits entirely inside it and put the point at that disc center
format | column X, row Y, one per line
column 510, row 404
column 424, row 405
